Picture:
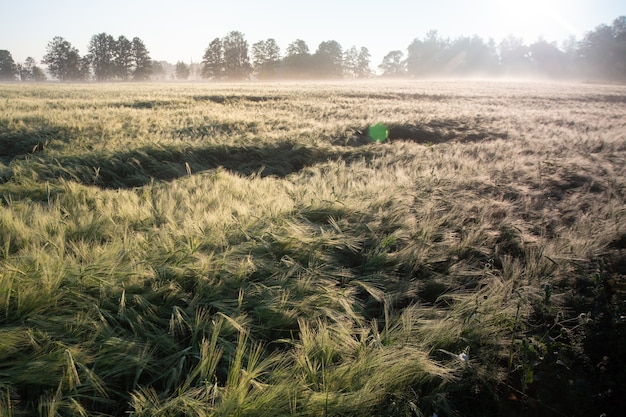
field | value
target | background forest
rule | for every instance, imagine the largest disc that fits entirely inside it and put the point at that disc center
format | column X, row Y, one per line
column 600, row 55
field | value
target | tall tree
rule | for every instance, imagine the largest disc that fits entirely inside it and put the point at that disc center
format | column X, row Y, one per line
column 356, row 63
column 24, row 70
column 595, row 50
column 266, row 58
column 102, row 53
column 272, row 50
column 619, row 33
column 363, row 63
column 603, row 51
column 123, row 56
column 182, row 71
column 29, row 71
column 328, row 60
column 514, row 56
column 142, row 60
column 350, row 62
column 393, row 64
column 213, row 60
column 469, row 56
column 425, row 56
column 259, row 56
column 236, row 61
column 297, row 61
column 8, row 69
column 63, row 60
column 547, row 59
column 297, row 47
column 84, row 69
column 158, row 72
column 39, row 75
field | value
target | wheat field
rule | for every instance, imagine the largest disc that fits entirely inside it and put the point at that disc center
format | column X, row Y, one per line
column 247, row 250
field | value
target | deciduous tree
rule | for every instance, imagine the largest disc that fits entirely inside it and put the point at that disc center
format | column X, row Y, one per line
column 8, row 69
column 393, row 64
column 236, row 61
column 266, row 58
column 425, row 56
column 182, row 71
column 603, row 51
column 123, row 56
column 84, row 69
column 350, row 62
column 158, row 72
column 469, row 56
column 356, row 63
column 297, row 61
column 102, row 54
column 547, row 59
column 29, row 71
column 514, row 56
column 142, row 60
column 213, row 60
column 619, row 33
column 297, row 47
column 64, row 61
column 363, row 63
column 328, row 60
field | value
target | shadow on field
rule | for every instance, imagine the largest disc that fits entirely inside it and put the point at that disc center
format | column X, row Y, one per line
column 232, row 99
column 17, row 146
column 140, row 166
column 441, row 131
column 214, row 98
column 26, row 141
column 603, row 98
column 400, row 96
column 432, row 132
column 146, row 104
column 211, row 129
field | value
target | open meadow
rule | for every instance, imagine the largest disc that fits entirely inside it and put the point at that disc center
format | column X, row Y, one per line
column 247, row 250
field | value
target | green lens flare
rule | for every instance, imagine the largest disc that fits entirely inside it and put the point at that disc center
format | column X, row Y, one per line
column 378, row 132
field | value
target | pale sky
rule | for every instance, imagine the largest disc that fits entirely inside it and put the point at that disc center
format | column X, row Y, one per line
column 180, row 30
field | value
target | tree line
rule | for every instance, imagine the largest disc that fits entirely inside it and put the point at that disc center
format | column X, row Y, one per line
column 107, row 59
column 228, row 59
column 601, row 54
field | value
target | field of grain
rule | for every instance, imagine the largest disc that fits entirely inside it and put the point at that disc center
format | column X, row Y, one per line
column 248, row 250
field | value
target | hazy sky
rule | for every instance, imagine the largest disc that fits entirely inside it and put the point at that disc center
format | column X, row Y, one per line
column 176, row 30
